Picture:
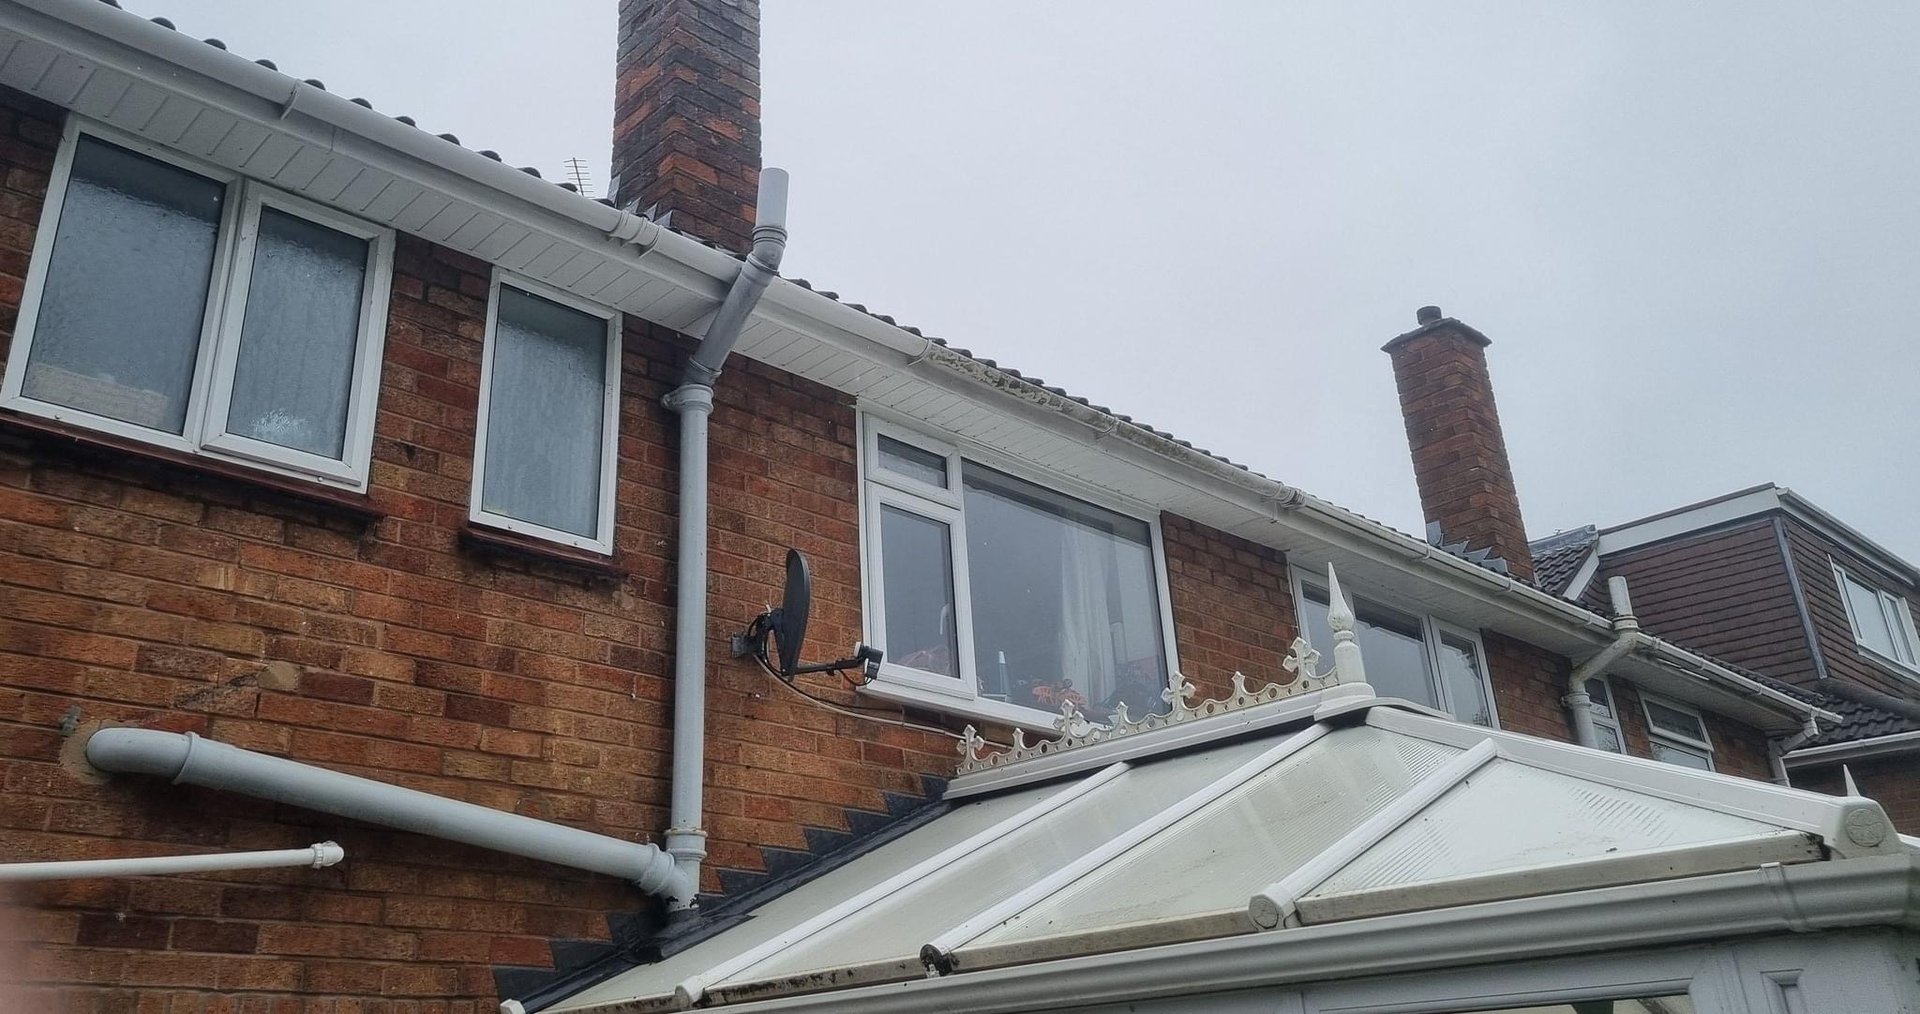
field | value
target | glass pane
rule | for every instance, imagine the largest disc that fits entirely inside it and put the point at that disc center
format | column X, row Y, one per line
column 126, row 290
column 1686, row 757
column 1898, row 616
column 295, row 366
column 1869, row 620
column 545, row 414
column 916, row 576
column 1649, row 1005
column 912, row 462
column 1065, row 600
column 1466, row 680
column 1608, row 738
column 1600, row 697
column 1675, row 721
column 1390, row 643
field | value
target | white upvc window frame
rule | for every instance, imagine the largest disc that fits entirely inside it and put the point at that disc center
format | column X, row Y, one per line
column 1431, row 629
column 1606, row 716
column 880, row 488
column 217, row 356
column 602, row 540
column 1657, row 736
column 1895, row 610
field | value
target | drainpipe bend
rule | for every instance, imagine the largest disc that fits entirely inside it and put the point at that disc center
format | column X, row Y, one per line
column 686, row 838
column 188, row 759
column 1578, row 702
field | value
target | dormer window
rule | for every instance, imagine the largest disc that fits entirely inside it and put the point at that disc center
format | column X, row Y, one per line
column 1882, row 622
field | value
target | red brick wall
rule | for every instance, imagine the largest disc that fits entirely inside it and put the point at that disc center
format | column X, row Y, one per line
column 1453, row 429
column 1528, row 683
column 1232, row 607
column 1893, row 782
column 159, row 596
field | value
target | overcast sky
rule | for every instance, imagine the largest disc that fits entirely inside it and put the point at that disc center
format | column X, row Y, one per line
column 1691, row 230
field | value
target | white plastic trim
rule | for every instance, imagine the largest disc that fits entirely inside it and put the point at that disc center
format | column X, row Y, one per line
column 943, row 946
column 1881, row 891
column 1277, row 904
column 692, row 989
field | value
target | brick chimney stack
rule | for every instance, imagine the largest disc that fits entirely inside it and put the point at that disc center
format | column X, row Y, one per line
column 1459, row 456
column 686, row 114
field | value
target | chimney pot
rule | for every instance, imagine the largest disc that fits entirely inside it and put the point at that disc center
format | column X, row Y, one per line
column 1427, row 314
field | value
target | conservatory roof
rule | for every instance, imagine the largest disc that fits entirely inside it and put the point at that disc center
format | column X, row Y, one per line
column 1285, row 818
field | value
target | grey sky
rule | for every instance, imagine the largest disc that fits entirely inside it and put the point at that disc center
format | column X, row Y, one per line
column 1691, row 230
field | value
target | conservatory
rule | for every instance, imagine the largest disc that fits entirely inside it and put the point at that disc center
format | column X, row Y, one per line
column 1313, row 848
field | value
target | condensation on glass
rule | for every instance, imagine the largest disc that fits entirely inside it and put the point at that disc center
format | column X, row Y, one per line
column 546, row 405
column 904, row 459
column 294, row 371
column 1065, row 599
column 121, row 315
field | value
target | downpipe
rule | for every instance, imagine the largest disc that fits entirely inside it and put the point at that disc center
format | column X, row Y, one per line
column 1578, row 702
column 692, row 401
column 317, row 856
column 188, row 759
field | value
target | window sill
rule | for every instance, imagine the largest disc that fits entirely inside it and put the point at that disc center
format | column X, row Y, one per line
column 971, row 708
column 494, row 542
column 81, row 442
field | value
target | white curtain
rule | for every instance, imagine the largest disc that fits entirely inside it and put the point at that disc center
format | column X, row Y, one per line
column 1086, row 612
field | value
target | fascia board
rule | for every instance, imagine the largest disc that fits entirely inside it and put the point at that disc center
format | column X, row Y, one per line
column 1879, row 891
column 177, row 63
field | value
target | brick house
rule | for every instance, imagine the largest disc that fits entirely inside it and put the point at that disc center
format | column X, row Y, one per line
column 1764, row 579
column 387, row 485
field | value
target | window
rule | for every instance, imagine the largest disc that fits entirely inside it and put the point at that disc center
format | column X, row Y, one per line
column 995, row 596
column 181, row 306
column 1407, row 655
column 1677, row 733
column 1882, row 622
column 549, row 417
column 1606, row 720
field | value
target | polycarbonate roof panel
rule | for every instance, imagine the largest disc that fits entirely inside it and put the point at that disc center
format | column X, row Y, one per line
column 1254, row 835
column 811, row 898
column 1510, row 816
column 897, row 927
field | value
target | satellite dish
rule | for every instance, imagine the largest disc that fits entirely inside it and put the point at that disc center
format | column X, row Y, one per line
column 788, row 623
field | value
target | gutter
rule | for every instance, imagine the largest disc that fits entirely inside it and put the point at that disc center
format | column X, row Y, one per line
column 1772, row 899
column 1859, row 749
column 137, row 48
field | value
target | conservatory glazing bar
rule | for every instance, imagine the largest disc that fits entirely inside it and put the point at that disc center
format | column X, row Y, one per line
column 1371, row 811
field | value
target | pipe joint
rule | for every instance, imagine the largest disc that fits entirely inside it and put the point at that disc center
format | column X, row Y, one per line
column 692, row 396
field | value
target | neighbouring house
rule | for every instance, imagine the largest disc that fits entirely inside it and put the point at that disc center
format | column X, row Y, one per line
column 361, row 491
column 1764, row 579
